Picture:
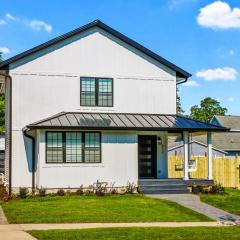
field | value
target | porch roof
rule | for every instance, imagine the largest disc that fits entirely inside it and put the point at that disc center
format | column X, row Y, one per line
column 123, row 121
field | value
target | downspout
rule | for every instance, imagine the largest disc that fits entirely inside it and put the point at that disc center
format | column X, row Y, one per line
column 33, row 157
column 10, row 131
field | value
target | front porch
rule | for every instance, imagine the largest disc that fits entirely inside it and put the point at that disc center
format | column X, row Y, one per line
column 153, row 159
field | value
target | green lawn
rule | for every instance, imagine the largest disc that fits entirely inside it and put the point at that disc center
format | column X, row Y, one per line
column 229, row 202
column 192, row 233
column 115, row 208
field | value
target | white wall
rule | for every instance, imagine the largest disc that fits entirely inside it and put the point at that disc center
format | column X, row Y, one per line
column 119, row 164
column 49, row 82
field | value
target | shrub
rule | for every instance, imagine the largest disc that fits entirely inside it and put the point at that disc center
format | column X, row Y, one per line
column 23, row 192
column 197, row 189
column 100, row 188
column 79, row 191
column 60, row 192
column 217, row 188
column 42, row 192
column 131, row 188
column 3, row 191
column 6, row 198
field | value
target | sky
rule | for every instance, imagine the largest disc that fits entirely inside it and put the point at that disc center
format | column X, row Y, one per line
column 200, row 36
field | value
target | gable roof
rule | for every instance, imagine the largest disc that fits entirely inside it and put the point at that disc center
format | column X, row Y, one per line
column 197, row 142
column 97, row 23
column 232, row 122
column 123, row 121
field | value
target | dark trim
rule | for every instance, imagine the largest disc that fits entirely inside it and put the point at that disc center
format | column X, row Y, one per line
column 64, row 147
column 33, row 158
column 97, row 23
column 130, row 128
column 7, row 76
column 96, row 91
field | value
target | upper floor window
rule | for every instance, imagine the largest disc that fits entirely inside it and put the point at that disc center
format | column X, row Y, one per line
column 96, row 92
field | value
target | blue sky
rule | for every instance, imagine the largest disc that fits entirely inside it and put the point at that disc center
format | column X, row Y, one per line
column 201, row 36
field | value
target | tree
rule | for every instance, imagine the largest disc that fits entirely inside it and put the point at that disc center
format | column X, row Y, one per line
column 2, row 106
column 207, row 109
column 179, row 106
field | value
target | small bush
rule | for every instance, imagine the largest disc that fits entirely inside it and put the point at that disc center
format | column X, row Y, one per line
column 131, row 188
column 197, row 189
column 23, row 192
column 79, row 191
column 217, row 188
column 100, row 188
column 88, row 193
column 42, row 192
column 6, row 198
column 3, row 191
column 60, row 192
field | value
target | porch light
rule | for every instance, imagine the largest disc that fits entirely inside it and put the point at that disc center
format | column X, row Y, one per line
column 159, row 140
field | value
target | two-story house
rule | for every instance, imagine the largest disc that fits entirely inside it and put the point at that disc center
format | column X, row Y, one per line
column 92, row 105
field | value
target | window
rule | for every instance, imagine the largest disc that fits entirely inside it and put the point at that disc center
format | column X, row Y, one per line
column 96, row 92
column 92, row 147
column 192, row 165
column 55, row 147
column 73, row 147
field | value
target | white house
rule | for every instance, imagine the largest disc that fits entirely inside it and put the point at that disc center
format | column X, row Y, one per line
column 91, row 105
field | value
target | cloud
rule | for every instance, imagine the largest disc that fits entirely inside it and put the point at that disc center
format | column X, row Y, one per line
column 11, row 17
column 231, row 52
column 2, row 22
column 219, row 15
column 230, row 99
column 173, row 4
column 225, row 74
column 40, row 25
column 37, row 25
column 191, row 83
column 4, row 50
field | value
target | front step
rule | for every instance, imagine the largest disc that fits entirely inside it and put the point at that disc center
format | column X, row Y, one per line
column 162, row 186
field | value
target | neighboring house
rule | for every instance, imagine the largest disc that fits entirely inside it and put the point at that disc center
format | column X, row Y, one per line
column 2, row 153
column 92, row 105
column 224, row 143
column 195, row 149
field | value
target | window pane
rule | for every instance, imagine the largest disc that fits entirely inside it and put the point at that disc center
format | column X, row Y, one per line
column 92, row 147
column 105, row 92
column 54, row 147
column 73, row 147
column 88, row 92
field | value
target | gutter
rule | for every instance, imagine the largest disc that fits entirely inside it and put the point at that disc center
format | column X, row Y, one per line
column 10, row 131
column 25, row 130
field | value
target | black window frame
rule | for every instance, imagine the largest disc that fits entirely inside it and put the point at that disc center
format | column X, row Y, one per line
column 64, row 147
column 96, row 91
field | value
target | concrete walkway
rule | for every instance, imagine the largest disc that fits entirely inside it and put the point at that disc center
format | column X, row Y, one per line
column 193, row 202
column 3, row 219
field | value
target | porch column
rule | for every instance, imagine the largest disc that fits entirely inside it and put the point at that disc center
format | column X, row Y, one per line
column 186, row 154
column 209, row 149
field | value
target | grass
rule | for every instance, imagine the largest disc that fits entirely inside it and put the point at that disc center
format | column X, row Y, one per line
column 86, row 209
column 156, row 233
column 229, row 202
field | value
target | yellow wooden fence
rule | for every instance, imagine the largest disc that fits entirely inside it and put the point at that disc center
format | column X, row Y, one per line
column 225, row 170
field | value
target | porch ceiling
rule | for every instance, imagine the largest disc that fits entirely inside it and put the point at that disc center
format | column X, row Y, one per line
column 124, row 121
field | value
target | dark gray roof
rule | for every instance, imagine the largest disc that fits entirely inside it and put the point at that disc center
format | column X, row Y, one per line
column 97, row 23
column 225, row 141
column 232, row 122
column 124, row 121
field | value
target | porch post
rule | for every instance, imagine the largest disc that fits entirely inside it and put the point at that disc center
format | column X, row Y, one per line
column 186, row 154
column 209, row 144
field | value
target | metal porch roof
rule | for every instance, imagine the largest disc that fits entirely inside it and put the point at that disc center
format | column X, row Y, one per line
column 123, row 121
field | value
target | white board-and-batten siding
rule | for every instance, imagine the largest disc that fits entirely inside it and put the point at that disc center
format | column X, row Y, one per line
column 48, row 82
